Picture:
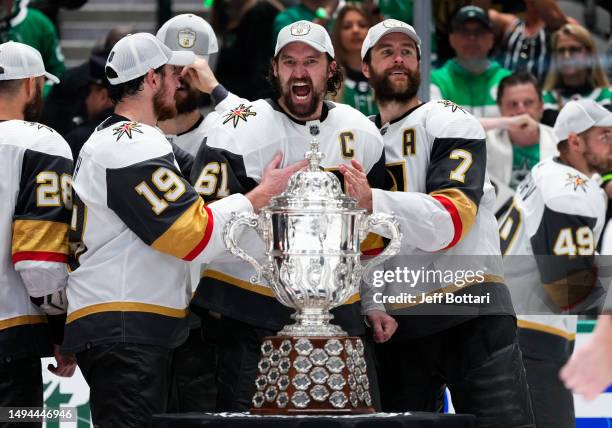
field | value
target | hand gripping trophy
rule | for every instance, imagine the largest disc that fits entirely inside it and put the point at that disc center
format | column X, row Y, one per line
column 312, row 234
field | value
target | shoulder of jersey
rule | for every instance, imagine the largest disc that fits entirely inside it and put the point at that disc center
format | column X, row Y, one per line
column 126, row 143
column 243, row 116
column 449, row 120
column 350, row 117
column 562, row 183
column 245, row 127
column 34, row 136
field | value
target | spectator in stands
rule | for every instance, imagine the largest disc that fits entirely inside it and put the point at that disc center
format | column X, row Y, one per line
column 575, row 73
column 470, row 80
column 65, row 107
column 317, row 11
column 350, row 29
column 20, row 23
column 51, row 7
column 244, row 28
column 97, row 102
column 526, row 42
column 517, row 140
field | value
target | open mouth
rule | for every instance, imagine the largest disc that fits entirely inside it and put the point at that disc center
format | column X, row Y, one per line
column 301, row 90
column 398, row 73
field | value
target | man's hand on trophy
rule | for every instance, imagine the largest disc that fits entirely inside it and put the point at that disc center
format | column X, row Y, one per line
column 274, row 181
column 383, row 325
column 357, row 186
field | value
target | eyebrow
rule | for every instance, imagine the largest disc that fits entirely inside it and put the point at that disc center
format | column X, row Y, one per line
column 403, row 45
column 282, row 57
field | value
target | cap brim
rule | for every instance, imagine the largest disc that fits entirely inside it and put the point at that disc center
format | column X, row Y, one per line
column 182, row 58
column 413, row 36
column 51, row 77
column 606, row 121
column 312, row 44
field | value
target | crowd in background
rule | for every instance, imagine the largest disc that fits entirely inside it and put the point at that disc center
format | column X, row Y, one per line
column 471, row 52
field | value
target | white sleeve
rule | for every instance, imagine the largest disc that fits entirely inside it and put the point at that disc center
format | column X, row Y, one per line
column 423, row 220
column 42, row 277
column 222, row 212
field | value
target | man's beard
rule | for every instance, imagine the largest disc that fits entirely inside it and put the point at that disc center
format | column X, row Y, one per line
column 163, row 109
column 189, row 102
column 386, row 91
column 33, row 109
column 601, row 165
column 304, row 110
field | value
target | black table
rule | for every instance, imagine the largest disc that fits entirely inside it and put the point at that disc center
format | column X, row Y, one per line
column 382, row 420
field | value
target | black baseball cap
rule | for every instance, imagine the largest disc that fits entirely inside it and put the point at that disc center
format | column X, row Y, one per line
column 471, row 12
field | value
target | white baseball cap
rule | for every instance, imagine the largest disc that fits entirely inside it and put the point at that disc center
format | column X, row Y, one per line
column 307, row 32
column 579, row 116
column 135, row 54
column 19, row 61
column 385, row 27
column 189, row 32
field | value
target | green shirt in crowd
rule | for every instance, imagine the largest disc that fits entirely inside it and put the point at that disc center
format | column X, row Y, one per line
column 33, row 28
column 289, row 16
column 357, row 93
column 474, row 92
column 556, row 99
column 523, row 159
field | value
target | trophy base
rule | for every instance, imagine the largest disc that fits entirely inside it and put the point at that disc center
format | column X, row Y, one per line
column 312, row 376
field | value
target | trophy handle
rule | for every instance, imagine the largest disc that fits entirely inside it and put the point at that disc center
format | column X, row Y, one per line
column 368, row 225
column 229, row 232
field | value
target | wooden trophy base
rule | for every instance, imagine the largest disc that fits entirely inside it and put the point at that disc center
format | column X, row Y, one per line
column 312, row 376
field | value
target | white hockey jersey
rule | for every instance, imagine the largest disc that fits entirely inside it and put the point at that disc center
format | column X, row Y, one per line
column 238, row 148
column 548, row 238
column 192, row 139
column 135, row 224
column 443, row 200
column 36, row 169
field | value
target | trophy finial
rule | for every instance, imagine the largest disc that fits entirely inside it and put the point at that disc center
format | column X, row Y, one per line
column 314, row 156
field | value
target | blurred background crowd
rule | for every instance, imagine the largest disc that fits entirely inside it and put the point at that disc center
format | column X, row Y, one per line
column 564, row 45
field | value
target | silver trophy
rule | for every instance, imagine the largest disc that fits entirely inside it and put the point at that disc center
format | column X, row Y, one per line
column 312, row 233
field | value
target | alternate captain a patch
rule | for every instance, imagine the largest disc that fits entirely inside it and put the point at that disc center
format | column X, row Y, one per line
column 576, row 181
column 127, row 129
column 238, row 113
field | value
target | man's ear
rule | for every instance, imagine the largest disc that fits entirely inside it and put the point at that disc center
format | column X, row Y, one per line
column 575, row 143
column 331, row 69
column 365, row 69
column 274, row 67
column 152, row 78
column 30, row 87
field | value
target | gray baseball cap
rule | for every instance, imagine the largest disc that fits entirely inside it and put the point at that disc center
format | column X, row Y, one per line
column 189, row 32
column 307, row 32
column 378, row 31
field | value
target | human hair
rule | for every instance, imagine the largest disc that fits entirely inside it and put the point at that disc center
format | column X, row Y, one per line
column 118, row 92
column 518, row 78
column 10, row 87
column 597, row 76
column 333, row 83
column 340, row 51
